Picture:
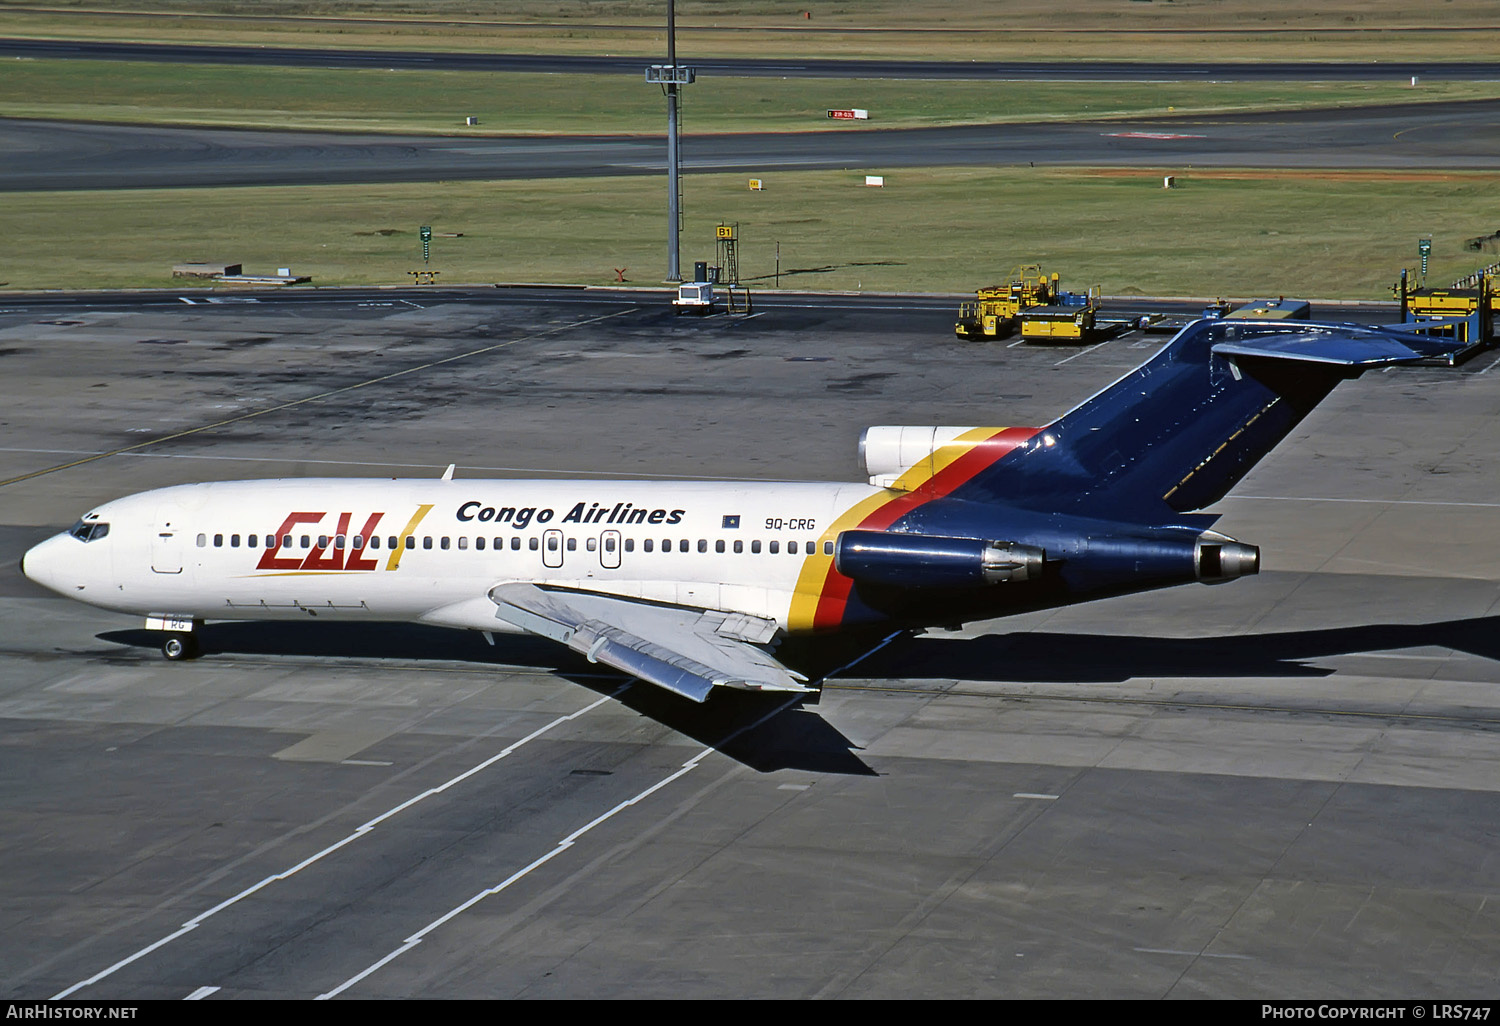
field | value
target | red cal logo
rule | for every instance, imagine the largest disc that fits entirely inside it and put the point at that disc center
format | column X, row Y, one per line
column 328, row 554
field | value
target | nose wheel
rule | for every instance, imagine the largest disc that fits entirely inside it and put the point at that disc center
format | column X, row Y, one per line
column 177, row 647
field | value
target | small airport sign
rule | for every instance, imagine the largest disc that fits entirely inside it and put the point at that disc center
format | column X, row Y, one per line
column 854, row 114
column 670, row 74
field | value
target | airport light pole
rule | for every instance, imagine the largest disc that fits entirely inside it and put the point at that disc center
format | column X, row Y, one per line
column 670, row 76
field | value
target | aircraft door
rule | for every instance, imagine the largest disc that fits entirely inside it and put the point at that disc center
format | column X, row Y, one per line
column 167, row 540
column 609, row 550
column 552, row 548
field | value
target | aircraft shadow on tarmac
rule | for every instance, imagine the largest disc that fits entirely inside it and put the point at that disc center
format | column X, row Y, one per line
column 763, row 731
column 1064, row 658
column 768, row 732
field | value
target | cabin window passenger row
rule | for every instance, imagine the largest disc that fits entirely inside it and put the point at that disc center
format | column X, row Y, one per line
column 252, row 541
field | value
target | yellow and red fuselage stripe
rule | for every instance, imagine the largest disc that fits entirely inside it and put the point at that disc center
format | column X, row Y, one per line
column 822, row 594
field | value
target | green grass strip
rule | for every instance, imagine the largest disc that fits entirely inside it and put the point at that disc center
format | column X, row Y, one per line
column 1333, row 234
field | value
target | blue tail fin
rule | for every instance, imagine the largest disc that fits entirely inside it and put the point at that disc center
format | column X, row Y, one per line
column 1179, row 431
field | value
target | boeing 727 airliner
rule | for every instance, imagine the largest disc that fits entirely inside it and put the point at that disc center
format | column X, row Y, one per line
column 691, row 586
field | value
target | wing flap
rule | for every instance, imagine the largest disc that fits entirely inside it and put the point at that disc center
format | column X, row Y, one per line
column 685, row 651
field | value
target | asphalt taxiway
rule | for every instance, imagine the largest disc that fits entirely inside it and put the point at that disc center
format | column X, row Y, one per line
column 49, row 155
column 1287, row 786
column 774, row 67
column 73, row 155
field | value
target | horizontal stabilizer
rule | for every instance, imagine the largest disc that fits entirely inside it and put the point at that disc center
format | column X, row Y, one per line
column 686, row 651
column 1344, row 345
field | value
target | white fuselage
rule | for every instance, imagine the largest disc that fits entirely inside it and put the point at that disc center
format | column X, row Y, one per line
column 430, row 550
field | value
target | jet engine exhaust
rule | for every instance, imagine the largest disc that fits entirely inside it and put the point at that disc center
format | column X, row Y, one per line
column 1219, row 558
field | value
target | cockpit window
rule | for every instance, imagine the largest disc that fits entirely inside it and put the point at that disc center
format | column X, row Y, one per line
column 89, row 530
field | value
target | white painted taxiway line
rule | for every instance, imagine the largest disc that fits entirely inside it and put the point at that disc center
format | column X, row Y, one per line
column 360, row 831
column 1084, row 352
column 561, row 846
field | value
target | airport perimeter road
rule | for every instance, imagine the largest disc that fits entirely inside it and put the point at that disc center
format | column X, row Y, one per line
column 1059, row 71
column 67, row 155
column 1283, row 787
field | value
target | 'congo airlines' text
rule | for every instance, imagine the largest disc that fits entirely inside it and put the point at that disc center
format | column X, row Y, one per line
column 343, row 552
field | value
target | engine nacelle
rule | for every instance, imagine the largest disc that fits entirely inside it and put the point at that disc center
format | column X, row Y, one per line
column 1155, row 559
column 887, row 452
column 927, row 561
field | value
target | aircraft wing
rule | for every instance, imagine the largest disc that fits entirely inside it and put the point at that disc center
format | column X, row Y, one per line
column 686, row 651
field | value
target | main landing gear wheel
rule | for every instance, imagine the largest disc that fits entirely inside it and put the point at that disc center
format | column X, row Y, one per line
column 178, row 647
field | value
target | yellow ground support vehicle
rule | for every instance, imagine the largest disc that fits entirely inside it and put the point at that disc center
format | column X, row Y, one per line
column 995, row 310
column 1466, row 314
column 1071, row 318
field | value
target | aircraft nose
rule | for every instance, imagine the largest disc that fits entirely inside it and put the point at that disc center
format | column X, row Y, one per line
column 30, row 557
column 37, row 566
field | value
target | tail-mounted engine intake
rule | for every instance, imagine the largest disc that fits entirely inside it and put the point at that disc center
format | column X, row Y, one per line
column 887, row 452
column 926, row 561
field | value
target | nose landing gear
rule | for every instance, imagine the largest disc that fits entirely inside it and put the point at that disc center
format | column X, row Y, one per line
column 177, row 647
column 179, row 635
